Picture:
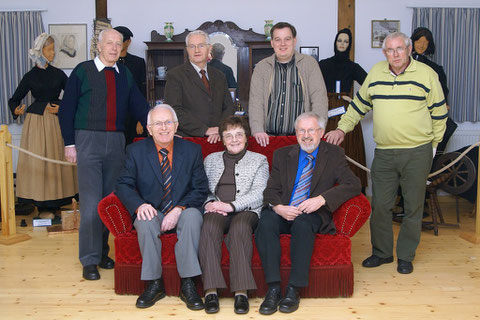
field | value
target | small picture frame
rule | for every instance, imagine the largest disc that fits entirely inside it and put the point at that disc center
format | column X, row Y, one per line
column 382, row 28
column 311, row 51
column 72, row 44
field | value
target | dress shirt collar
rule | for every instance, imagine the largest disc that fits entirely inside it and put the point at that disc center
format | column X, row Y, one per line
column 100, row 66
column 302, row 157
column 198, row 69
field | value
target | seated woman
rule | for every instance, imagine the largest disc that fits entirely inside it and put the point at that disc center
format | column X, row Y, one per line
column 236, row 179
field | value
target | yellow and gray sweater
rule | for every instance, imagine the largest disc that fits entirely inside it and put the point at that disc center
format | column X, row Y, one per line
column 409, row 109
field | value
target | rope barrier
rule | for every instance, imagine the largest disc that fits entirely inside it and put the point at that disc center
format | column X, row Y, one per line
column 40, row 157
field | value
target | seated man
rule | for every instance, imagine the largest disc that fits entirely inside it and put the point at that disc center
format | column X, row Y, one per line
column 163, row 197
column 308, row 182
column 198, row 92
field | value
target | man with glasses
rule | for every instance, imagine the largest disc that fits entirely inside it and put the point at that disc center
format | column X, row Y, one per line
column 198, row 92
column 308, row 182
column 409, row 116
column 283, row 86
column 163, row 186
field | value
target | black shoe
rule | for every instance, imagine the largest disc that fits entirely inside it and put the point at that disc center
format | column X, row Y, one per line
column 154, row 292
column 291, row 301
column 271, row 301
column 189, row 295
column 404, row 267
column 106, row 263
column 375, row 261
column 241, row 305
column 90, row 272
column 211, row 303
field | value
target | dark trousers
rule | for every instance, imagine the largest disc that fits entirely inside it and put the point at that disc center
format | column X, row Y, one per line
column 267, row 238
column 100, row 158
column 240, row 227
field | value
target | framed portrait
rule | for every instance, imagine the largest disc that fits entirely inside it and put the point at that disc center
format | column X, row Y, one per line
column 72, row 44
column 381, row 28
column 311, row 51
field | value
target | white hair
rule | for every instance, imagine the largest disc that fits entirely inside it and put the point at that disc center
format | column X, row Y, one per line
column 165, row 107
column 311, row 114
column 201, row 32
column 105, row 31
column 406, row 39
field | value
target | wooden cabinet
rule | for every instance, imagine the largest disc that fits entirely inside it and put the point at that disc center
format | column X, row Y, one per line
column 251, row 48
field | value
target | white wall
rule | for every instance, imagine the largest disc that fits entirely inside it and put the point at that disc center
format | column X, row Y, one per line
column 316, row 22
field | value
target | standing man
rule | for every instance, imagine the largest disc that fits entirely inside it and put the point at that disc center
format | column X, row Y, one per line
column 163, row 186
column 137, row 67
column 198, row 93
column 408, row 123
column 308, row 182
column 218, row 51
column 284, row 86
column 97, row 96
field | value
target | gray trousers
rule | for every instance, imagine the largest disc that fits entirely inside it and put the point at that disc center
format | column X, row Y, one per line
column 186, row 249
column 100, row 158
column 408, row 168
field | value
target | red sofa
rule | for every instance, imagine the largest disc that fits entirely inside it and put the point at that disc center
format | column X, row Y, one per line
column 331, row 269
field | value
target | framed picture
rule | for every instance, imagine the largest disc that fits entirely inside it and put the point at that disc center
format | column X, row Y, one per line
column 311, row 51
column 381, row 28
column 72, row 44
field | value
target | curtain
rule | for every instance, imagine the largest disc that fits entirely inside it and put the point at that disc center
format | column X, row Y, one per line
column 18, row 31
column 457, row 40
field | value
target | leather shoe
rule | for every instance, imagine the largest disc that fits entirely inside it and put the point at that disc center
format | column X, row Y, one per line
column 271, row 301
column 291, row 301
column 189, row 295
column 90, row 272
column 375, row 261
column 211, row 303
column 154, row 292
column 241, row 305
column 404, row 267
column 106, row 263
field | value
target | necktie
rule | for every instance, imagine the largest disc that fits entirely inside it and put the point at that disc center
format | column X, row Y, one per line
column 205, row 80
column 303, row 185
column 166, row 204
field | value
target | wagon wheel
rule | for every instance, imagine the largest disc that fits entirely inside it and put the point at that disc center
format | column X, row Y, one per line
column 461, row 175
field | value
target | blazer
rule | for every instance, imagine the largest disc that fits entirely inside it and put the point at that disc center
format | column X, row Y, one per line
column 141, row 179
column 196, row 109
column 251, row 175
column 332, row 178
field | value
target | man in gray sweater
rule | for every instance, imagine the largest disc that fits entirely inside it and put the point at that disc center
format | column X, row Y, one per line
column 283, row 86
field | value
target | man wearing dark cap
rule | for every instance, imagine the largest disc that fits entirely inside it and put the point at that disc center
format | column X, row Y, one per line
column 137, row 67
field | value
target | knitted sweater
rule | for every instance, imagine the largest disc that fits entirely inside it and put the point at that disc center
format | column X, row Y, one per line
column 409, row 110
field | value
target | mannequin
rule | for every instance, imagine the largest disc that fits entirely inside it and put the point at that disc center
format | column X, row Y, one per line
column 339, row 73
column 45, row 184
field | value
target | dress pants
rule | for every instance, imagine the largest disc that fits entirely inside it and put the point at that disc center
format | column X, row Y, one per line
column 186, row 249
column 100, row 159
column 267, row 238
column 408, row 168
column 240, row 227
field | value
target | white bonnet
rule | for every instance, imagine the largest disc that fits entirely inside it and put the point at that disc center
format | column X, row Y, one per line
column 36, row 53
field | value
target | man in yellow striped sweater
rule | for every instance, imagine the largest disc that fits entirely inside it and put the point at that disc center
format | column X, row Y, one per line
column 409, row 116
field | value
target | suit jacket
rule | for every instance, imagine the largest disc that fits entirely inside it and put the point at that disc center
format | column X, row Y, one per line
column 196, row 109
column 141, row 179
column 227, row 71
column 332, row 178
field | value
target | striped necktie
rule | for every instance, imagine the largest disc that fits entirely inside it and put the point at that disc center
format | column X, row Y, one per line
column 205, row 81
column 303, row 185
column 166, row 204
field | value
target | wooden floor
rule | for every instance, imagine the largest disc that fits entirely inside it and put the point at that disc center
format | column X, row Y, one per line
column 41, row 279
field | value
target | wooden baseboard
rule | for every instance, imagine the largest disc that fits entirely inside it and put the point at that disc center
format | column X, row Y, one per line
column 15, row 238
column 470, row 237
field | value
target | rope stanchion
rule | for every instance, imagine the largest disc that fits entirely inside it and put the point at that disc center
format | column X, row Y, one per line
column 40, row 157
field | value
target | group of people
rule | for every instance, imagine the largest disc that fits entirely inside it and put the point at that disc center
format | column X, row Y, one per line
column 167, row 187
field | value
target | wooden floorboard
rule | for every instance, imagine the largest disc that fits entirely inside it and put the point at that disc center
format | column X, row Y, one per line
column 41, row 279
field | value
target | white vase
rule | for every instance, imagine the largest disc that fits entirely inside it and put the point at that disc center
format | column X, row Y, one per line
column 168, row 30
column 267, row 27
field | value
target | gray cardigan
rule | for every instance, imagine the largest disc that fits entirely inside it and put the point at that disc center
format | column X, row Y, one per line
column 251, row 175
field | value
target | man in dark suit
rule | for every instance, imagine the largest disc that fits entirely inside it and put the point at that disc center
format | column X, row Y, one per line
column 198, row 93
column 163, row 186
column 307, row 183
column 218, row 51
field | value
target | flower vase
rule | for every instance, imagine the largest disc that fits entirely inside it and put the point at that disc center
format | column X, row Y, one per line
column 267, row 27
column 168, row 31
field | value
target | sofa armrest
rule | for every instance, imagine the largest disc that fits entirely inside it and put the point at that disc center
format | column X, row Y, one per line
column 352, row 215
column 114, row 215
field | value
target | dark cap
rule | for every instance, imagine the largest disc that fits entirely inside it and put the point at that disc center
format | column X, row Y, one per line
column 125, row 32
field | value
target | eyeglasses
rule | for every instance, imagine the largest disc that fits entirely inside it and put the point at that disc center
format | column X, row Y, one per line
column 310, row 131
column 161, row 124
column 198, row 46
column 237, row 135
column 399, row 50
